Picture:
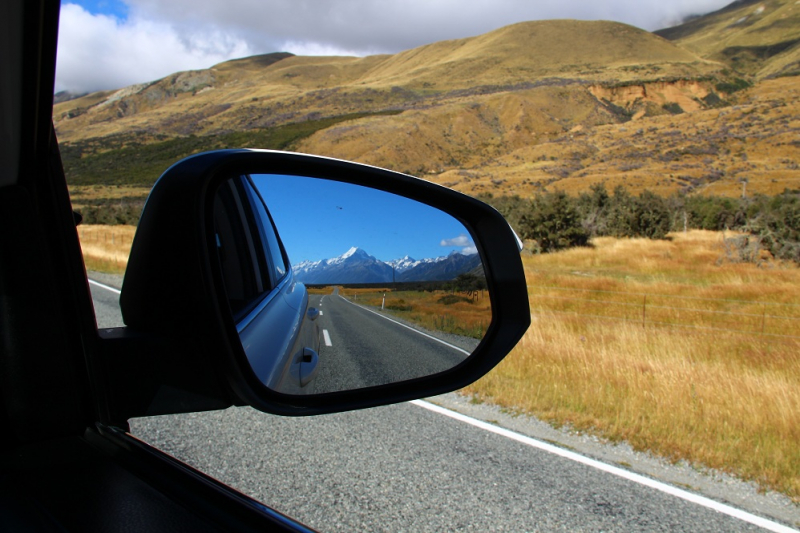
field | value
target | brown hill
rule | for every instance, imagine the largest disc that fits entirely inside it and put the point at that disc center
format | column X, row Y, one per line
column 279, row 88
column 756, row 37
column 533, row 106
column 562, row 138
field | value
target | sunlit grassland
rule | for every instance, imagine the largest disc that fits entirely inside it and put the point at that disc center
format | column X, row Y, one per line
column 438, row 310
column 695, row 357
column 106, row 248
column 714, row 379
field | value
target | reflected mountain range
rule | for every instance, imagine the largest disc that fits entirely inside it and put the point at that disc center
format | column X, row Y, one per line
column 356, row 266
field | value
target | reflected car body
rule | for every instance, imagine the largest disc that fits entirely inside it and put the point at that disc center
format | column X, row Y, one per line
column 289, row 363
column 262, row 292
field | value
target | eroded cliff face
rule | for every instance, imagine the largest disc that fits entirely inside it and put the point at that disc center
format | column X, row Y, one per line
column 647, row 98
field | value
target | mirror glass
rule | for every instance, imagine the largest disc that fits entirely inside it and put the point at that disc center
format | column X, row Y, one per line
column 336, row 286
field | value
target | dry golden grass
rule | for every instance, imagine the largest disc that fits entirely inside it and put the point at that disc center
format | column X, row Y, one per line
column 724, row 400
column 106, row 248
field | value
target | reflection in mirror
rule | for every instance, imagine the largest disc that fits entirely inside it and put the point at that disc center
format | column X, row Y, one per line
column 380, row 288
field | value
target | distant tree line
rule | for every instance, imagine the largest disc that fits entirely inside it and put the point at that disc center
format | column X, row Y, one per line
column 556, row 220
column 111, row 211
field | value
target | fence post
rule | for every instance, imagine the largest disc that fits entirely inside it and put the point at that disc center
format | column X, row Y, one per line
column 644, row 311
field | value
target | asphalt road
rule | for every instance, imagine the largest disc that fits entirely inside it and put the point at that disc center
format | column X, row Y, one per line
column 407, row 468
column 362, row 347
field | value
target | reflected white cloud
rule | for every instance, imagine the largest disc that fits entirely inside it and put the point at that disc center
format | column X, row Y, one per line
column 461, row 240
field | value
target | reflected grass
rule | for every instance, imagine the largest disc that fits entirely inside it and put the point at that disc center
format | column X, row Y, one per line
column 454, row 313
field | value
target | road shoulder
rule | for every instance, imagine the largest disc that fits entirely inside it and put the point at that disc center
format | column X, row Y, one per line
column 710, row 483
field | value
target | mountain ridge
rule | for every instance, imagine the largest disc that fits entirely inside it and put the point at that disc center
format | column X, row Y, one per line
column 234, row 94
column 357, row 266
column 515, row 111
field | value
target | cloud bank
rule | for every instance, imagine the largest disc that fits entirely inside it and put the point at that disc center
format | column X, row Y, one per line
column 97, row 52
column 156, row 38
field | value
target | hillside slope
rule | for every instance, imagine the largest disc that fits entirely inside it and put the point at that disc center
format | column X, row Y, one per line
column 561, row 138
column 756, row 37
column 530, row 107
column 275, row 89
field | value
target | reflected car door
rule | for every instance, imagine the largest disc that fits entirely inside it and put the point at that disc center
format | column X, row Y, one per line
column 263, row 294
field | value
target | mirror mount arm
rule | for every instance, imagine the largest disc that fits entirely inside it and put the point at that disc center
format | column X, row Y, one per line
column 149, row 374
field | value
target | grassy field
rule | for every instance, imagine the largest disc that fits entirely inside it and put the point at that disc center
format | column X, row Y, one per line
column 712, row 378
column 670, row 345
column 106, row 248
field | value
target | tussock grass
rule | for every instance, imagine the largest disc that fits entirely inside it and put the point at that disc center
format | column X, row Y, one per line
column 106, row 248
column 726, row 400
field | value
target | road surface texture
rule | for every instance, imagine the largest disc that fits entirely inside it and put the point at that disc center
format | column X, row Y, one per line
column 407, row 467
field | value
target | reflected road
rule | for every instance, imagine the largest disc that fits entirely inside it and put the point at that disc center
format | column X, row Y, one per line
column 363, row 347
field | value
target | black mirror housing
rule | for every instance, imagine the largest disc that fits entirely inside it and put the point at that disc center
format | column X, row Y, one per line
column 173, row 293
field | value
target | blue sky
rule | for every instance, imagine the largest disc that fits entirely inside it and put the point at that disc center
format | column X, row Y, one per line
column 319, row 219
column 110, row 44
column 114, row 8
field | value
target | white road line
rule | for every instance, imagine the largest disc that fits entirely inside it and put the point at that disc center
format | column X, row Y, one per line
column 320, row 313
column 409, row 327
column 327, row 337
column 630, row 476
column 106, row 287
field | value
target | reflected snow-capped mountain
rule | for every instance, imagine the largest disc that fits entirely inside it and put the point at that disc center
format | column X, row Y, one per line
column 357, row 266
column 407, row 263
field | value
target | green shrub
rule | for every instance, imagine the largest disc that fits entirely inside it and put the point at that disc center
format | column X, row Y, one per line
column 554, row 223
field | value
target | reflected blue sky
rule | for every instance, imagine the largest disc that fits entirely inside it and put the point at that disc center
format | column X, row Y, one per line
column 320, row 219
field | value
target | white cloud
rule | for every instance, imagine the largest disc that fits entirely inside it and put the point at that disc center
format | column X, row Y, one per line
column 394, row 25
column 101, row 52
column 301, row 48
column 159, row 38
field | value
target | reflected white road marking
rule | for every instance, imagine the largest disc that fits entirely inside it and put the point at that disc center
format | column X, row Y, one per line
column 626, row 474
column 418, row 332
column 327, row 337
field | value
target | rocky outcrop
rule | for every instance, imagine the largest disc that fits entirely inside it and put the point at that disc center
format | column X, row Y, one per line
column 634, row 98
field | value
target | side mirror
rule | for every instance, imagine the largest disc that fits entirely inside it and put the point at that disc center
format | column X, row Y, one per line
column 397, row 289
